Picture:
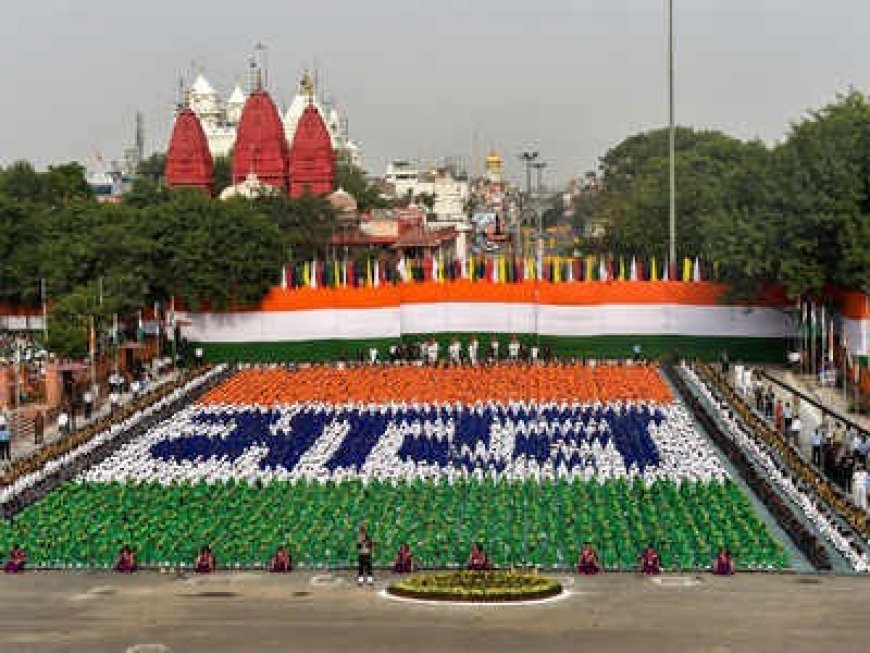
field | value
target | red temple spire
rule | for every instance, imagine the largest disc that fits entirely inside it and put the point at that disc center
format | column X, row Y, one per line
column 261, row 146
column 188, row 161
column 312, row 159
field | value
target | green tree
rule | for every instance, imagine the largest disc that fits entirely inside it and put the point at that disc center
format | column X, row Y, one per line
column 66, row 183
column 307, row 223
column 20, row 181
column 223, row 172
column 352, row 179
column 152, row 167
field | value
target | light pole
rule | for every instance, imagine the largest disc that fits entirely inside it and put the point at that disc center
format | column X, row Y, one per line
column 528, row 158
column 672, row 208
column 539, row 168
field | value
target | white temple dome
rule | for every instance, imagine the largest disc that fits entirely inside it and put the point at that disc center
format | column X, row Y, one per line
column 250, row 188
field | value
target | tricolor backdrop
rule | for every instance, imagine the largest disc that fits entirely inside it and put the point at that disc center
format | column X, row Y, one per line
column 605, row 318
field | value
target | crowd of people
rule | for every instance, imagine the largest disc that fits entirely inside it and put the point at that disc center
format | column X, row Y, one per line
column 649, row 561
column 841, row 451
column 559, row 382
column 588, row 564
column 785, row 468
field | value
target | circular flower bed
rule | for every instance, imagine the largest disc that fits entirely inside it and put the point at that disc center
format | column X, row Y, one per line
column 476, row 586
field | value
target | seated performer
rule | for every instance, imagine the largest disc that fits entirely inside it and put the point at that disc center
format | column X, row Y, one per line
column 588, row 563
column 17, row 558
column 126, row 563
column 404, row 562
column 282, row 561
column 205, row 561
column 724, row 563
column 477, row 560
column 650, row 563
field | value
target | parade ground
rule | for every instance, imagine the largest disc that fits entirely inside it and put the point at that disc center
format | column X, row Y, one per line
column 249, row 611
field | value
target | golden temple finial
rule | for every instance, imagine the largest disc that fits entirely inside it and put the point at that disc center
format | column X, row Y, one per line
column 306, row 86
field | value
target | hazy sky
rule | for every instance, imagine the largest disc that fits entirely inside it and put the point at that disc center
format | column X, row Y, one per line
column 420, row 79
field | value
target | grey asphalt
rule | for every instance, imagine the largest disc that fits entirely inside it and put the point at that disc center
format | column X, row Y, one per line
column 251, row 612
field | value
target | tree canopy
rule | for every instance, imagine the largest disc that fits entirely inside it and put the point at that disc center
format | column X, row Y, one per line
column 159, row 243
column 797, row 213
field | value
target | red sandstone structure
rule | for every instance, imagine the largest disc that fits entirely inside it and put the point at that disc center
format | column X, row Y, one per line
column 261, row 146
column 188, row 161
column 312, row 159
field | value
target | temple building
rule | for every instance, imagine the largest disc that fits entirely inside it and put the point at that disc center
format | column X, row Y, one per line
column 312, row 158
column 188, row 160
column 220, row 117
column 493, row 167
column 261, row 147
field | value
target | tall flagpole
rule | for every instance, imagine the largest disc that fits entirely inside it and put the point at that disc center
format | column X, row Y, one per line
column 44, row 297
column 672, row 208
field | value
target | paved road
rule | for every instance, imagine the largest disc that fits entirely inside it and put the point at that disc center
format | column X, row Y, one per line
column 252, row 612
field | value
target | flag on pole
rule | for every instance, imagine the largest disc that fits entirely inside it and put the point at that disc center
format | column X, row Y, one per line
column 157, row 318
column 312, row 278
column 283, row 277
column 92, row 339
column 602, row 270
column 170, row 323
column 687, row 269
column 633, row 269
column 653, row 272
column 140, row 326
column 115, row 334
column 696, row 271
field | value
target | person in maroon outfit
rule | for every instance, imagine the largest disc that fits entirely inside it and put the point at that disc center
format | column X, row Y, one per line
column 404, row 562
column 16, row 561
column 650, row 562
column 477, row 559
column 282, row 561
column 205, row 561
column 724, row 563
column 126, row 563
column 588, row 564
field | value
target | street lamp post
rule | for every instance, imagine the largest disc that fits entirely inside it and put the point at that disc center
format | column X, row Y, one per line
column 539, row 168
column 531, row 160
column 528, row 158
column 672, row 210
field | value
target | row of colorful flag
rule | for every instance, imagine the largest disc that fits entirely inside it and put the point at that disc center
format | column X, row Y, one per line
column 816, row 333
column 496, row 269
